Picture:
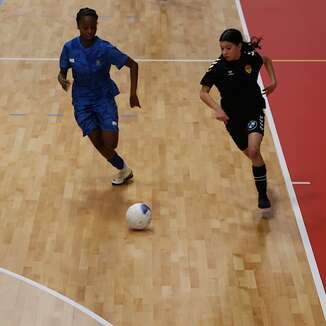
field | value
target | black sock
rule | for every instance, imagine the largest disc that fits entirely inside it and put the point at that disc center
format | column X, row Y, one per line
column 260, row 178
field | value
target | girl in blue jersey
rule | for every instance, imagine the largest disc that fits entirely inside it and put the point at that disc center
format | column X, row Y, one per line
column 235, row 75
column 93, row 91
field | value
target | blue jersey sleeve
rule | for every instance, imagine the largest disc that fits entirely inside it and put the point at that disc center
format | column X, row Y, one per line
column 116, row 57
column 64, row 59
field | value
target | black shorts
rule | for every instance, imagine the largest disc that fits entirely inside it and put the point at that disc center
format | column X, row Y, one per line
column 239, row 129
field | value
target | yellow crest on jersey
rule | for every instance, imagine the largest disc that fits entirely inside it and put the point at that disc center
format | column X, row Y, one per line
column 248, row 69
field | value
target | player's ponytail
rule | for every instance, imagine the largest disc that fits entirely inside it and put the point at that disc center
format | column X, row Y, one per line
column 234, row 36
column 252, row 45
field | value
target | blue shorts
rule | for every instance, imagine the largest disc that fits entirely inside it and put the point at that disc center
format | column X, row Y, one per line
column 101, row 114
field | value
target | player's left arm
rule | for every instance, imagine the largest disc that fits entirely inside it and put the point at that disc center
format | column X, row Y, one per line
column 133, row 66
column 271, row 73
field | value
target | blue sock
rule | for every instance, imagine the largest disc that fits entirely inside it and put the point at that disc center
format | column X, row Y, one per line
column 117, row 161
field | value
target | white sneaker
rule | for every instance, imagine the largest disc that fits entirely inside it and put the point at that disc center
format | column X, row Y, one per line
column 122, row 176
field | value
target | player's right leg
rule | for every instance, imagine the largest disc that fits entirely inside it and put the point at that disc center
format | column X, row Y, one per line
column 250, row 146
column 106, row 142
column 110, row 143
column 107, row 117
column 255, row 129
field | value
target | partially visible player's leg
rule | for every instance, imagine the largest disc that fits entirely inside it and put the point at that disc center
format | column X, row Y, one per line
column 105, row 145
column 248, row 138
column 253, row 149
column 106, row 142
column 95, row 137
column 110, row 142
column 255, row 137
column 106, row 113
column 100, row 123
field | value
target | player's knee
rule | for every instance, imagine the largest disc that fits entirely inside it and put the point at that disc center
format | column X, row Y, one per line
column 110, row 143
column 253, row 153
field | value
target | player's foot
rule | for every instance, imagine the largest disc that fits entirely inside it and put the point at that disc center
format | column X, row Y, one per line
column 122, row 176
column 263, row 201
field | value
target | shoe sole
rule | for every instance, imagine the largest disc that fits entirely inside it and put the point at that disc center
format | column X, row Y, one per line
column 124, row 180
column 264, row 206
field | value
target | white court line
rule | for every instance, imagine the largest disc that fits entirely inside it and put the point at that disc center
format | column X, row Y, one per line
column 175, row 60
column 300, row 60
column 295, row 206
column 138, row 59
column 57, row 295
column 27, row 59
column 301, row 182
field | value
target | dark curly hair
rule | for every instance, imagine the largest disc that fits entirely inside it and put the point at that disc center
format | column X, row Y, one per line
column 85, row 12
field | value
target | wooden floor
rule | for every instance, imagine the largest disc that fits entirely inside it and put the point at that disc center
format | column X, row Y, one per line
column 211, row 258
column 23, row 304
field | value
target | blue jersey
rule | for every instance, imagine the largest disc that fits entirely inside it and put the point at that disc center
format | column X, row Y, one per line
column 91, row 68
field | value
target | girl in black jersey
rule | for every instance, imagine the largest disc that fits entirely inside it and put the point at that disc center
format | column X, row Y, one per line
column 235, row 75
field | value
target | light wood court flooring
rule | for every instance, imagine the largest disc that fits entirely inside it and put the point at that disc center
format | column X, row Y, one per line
column 23, row 304
column 210, row 258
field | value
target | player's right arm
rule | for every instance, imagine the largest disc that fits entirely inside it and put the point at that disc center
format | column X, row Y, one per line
column 64, row 66
column 210, row 102
column 207, row 83
column 62, row 79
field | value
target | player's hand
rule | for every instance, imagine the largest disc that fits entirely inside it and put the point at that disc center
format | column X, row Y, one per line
column 221, row 115
column 134, row 101
column 269, row 89
column 65, row 83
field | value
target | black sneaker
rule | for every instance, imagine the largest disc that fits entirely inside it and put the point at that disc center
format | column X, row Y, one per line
column 263, row 201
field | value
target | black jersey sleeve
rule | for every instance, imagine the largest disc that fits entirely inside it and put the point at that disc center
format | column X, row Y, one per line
column 211, row 76
column 257, row 60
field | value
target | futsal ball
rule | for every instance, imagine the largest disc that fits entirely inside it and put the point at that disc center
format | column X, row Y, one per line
column 139, row 216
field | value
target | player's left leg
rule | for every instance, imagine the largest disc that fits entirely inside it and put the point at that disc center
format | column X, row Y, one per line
column 258, row 168
column 255, row 136
column 110, row 142
column 107, row 116
column 105, row 145
column 106, row 142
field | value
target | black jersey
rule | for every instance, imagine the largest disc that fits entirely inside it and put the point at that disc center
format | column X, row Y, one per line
column 237, row 84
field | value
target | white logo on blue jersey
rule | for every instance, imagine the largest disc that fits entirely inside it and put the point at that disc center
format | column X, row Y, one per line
column 71, row 60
